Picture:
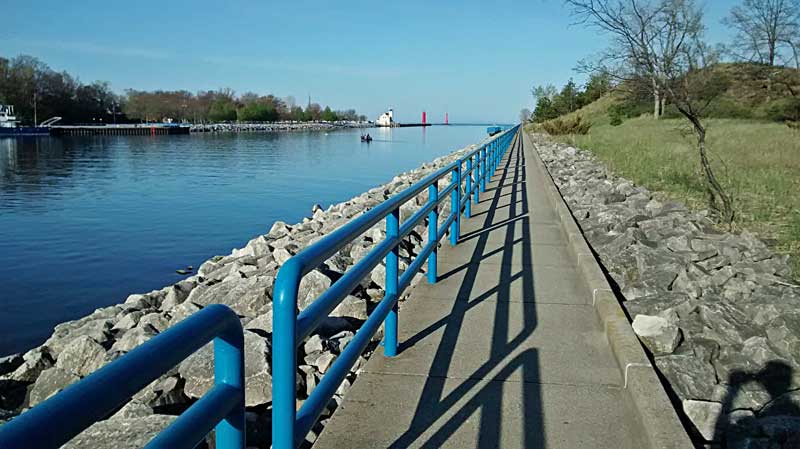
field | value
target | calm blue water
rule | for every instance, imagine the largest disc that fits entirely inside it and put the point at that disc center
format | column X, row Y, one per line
column 85, row 221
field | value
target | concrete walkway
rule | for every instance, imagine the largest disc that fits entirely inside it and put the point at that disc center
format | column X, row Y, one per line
column 505, row 351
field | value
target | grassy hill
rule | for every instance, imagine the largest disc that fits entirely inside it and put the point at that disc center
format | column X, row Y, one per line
column 757, row 159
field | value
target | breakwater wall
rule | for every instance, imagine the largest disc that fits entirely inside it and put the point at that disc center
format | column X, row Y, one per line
column 275, row 127
column 119, row 130
column 717, row 311
column 242, row 280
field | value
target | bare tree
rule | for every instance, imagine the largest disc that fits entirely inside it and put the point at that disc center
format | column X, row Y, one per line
column 662, row 41
column 635, row 28
column 549, row 91
column 767, row 31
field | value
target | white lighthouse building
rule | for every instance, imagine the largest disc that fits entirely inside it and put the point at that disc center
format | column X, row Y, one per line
column 386, row 119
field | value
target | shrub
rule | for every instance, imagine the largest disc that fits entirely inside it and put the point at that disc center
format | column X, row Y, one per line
column 726, row 107
column 785, row 109
column 559, row 127
column 616, row 113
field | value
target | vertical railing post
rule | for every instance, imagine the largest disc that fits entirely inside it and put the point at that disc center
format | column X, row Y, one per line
column 468, row 189
column 458, row 200
column 433, row 229
column 454, row 209
column 392, row 273
column 496, row 156
column 475, row 177
column 284, row 357
column 483, row 171
column 497, row 149
column 492, row 149
column 229, row 369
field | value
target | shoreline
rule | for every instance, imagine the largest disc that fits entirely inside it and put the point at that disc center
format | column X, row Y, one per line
column 276, row 127
column 242, row 280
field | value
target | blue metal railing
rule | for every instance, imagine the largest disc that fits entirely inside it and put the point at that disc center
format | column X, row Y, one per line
column 289, row 425
column 58, row 419
column 55, row 421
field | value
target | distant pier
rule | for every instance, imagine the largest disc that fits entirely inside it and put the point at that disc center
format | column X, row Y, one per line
column 406, row 125
column 119, row 130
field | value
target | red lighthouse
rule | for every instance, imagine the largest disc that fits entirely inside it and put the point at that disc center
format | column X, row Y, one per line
column 423, row 117
column 446, row 119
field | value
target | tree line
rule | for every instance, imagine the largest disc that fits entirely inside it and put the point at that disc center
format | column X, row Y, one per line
column 552, row 103
column 39, row 92
column 224, row 105
column 658, row 51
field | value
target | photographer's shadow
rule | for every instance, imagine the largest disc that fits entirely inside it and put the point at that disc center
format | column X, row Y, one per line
column 735, row 423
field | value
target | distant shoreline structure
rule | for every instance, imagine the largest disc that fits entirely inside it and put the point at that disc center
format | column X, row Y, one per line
column 276, row 127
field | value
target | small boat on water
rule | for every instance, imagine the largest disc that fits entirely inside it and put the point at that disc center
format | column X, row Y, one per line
column 9, row 126
column 366, row 138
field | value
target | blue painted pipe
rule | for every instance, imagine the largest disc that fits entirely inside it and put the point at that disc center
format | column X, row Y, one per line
column 483, row 169
column 433, row 223
column 468, row 206
column 454, row 208
column 290, row 328
column 57, row 420
column 392, row 273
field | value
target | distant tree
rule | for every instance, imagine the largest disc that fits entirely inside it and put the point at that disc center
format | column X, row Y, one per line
column 524, row 115
column 765, row 31
column 258, row 111
column 568, row 100
column 549, row 91
column 313, row 112
column 95, row 102
column 328, row 115
column 38, row 92
column 544, row 110
column 298, row 114
column 223, row 109
column 349, row 114
column 598, row 85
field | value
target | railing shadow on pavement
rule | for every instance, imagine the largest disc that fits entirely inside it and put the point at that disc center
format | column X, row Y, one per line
column 290, row 424
column 435, row 404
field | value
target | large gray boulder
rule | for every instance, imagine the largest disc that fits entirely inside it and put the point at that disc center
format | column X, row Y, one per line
column 120, row 433
column 705, row 416
column 163, row 392
column 351, row 307
column 198, row 371
column 33, row 363
column 50, row 382
column 82, row 356
column 98, row 329
column 9, row 363
column 660, row 335
column 132, row 339
column 311, row 286
column 247, row 297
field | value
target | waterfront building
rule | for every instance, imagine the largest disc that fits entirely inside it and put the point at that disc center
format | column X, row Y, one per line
column 386, row 119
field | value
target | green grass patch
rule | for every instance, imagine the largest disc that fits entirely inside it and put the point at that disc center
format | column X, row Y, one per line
column 758, row 162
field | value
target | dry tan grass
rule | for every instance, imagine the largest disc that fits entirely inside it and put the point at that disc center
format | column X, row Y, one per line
column 759, row 163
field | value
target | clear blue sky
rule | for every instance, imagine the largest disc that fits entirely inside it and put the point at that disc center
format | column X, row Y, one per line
column 477, row 60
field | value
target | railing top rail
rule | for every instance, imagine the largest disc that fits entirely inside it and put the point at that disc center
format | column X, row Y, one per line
column 312, row 256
